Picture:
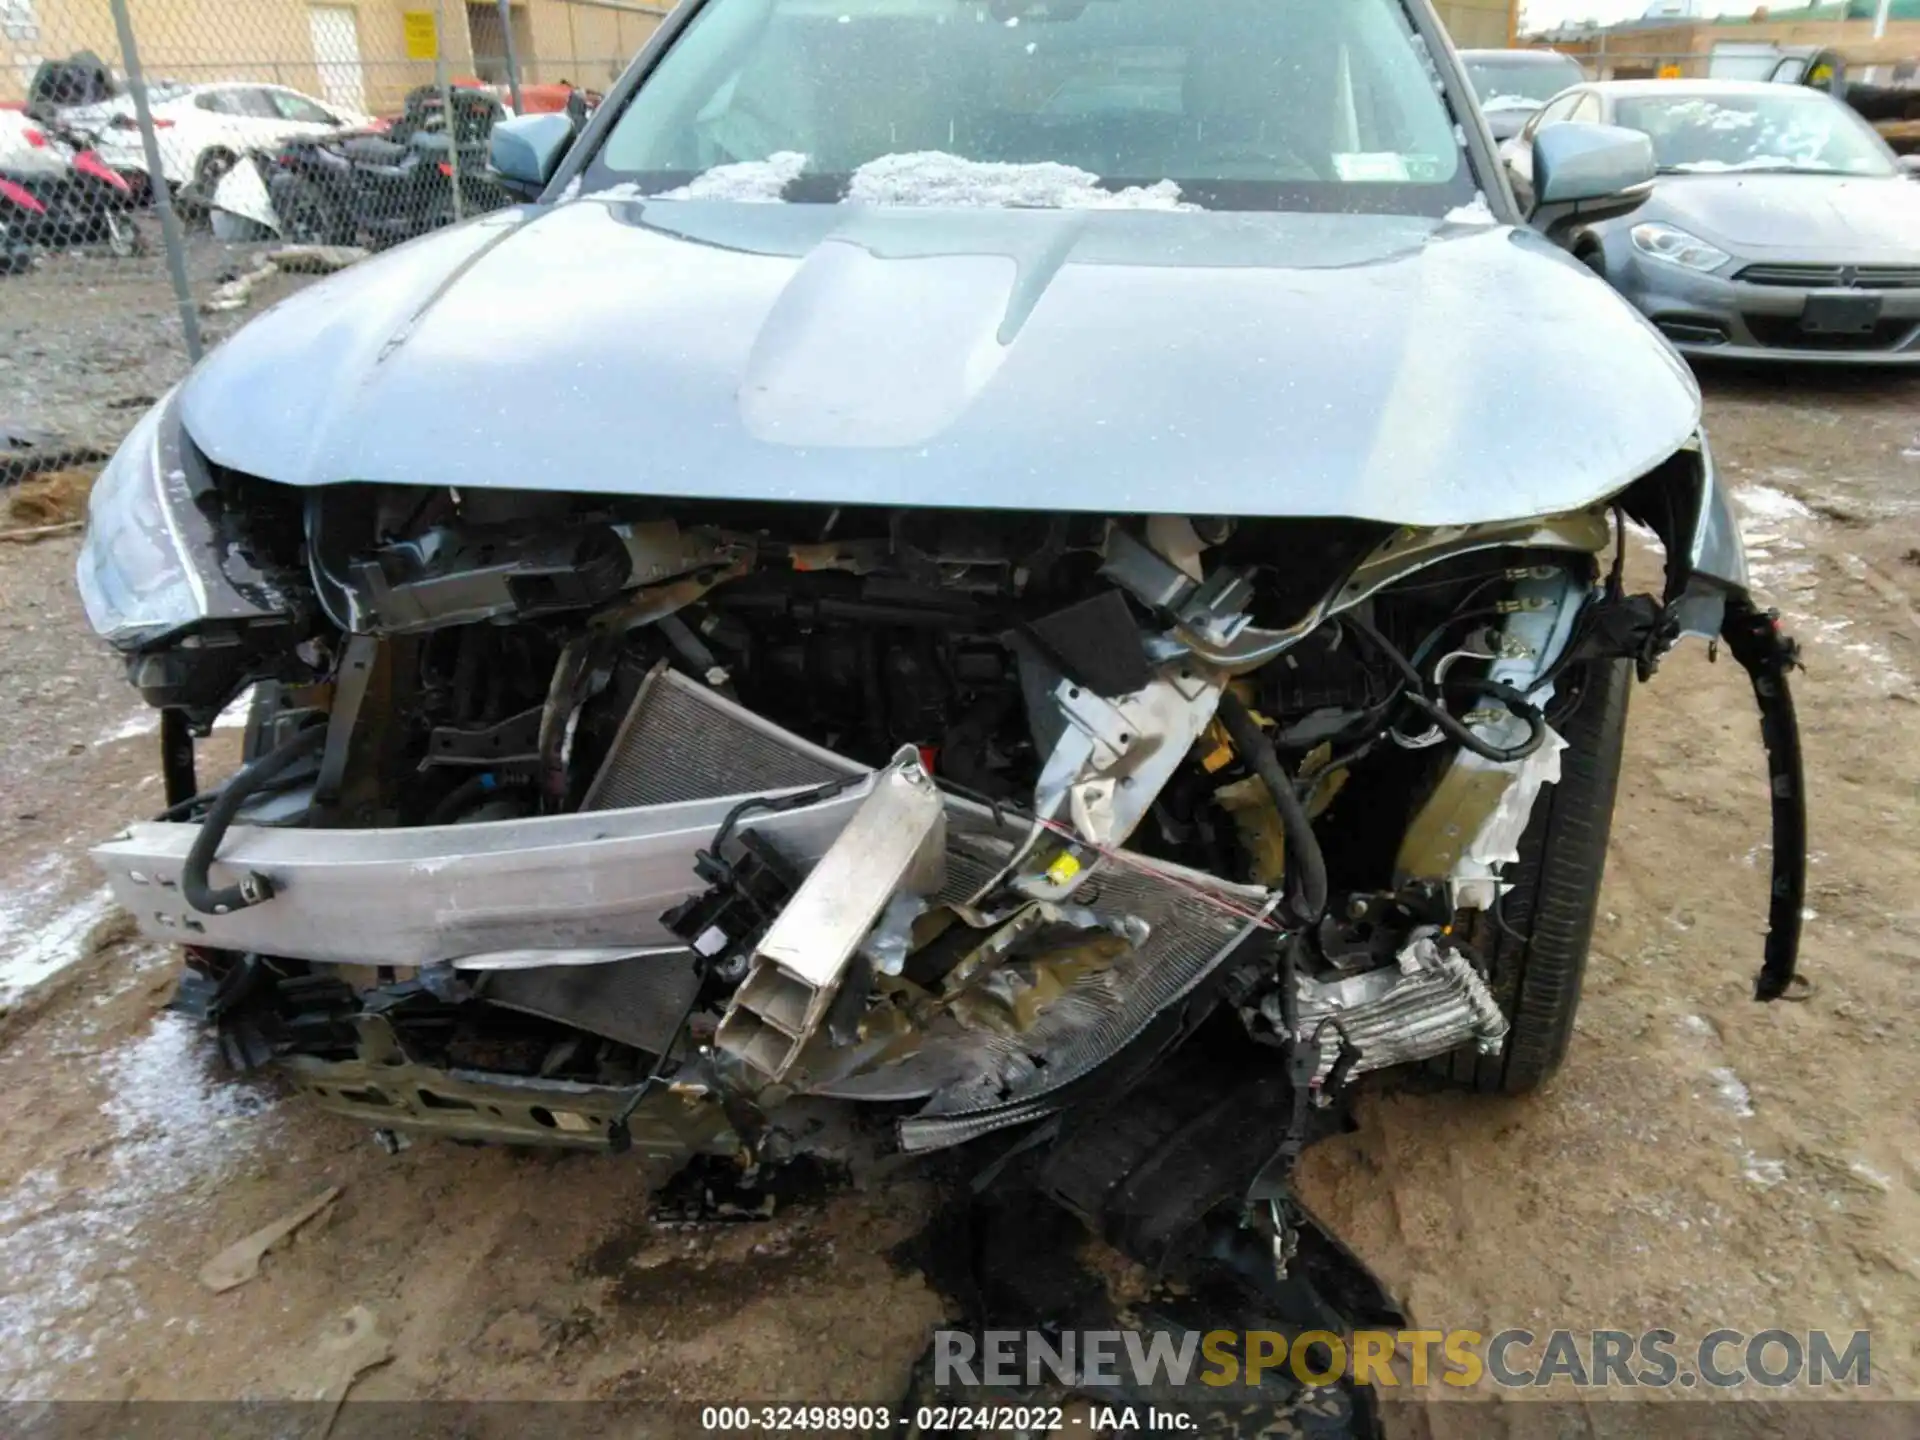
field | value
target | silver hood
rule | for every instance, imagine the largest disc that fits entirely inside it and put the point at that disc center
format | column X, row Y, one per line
column 1816, row 219
column 1376, row 367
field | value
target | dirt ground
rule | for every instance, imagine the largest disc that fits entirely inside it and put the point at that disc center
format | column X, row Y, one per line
column 1701, row 1162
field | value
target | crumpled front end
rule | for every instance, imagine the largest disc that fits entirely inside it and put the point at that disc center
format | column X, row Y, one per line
column 609, row 823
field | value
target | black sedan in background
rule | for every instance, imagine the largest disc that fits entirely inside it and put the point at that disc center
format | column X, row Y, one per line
column 1780, row 227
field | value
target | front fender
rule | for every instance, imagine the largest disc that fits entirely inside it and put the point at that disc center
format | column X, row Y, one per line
column 1685, row 504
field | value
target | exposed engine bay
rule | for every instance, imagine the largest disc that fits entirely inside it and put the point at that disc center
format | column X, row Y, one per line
column 616, row 825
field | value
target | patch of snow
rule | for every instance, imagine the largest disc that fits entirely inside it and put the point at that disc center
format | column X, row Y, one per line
column 42, row 932
column 570, row 191
column 141, row 722
column 1697, row 1024
column 1477, row 213
column 1766, row 503
column 234, row 717
column 756, row 182
column 1722, row 167
column 1764, row 1173
column 1732, row 1091
column 1878, row 1179
column 70, row 1252
column 935, row 178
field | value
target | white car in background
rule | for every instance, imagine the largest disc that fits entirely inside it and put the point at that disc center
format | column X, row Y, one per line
column 203, row 129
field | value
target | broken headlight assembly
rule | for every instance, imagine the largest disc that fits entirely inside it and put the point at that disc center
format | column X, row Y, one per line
column 190, row 573
column 137, row 580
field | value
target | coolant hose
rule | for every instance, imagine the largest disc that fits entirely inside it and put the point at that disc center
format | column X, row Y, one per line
column 457, row 801
column 253, row 887
column 1306, row 866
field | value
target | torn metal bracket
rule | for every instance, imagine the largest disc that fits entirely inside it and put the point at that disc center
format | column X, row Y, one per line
column 350, row 692
column 895, row 841
column 513, row 741
column 1114, row 757
column 1213, row 608
column 1767, row 655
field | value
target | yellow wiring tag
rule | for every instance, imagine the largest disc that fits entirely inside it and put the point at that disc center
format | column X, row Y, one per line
column 1063, row 868
column 1216, row 759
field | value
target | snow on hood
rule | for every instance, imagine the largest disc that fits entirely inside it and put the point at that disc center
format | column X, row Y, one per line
column 1754, row 162
column 1478, row 212
column 752, row 181
column 926, row 178
column 934, row 178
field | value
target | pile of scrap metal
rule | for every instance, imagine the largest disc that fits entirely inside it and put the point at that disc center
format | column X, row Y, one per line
column 616, row 823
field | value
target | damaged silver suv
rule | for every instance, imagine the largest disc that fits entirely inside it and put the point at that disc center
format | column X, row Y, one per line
column 952, row 548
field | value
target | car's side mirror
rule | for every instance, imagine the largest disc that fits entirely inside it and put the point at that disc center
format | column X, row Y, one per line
column 1910, row 166
column 1588, row 172
column 526, row 150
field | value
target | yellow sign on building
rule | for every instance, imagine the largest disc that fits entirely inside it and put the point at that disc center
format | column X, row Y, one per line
column 423, row 36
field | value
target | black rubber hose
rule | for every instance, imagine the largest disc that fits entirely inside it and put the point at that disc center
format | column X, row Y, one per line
column 1307, row 867
column 254, row 887
column 457, row 801
column 1518, row 704
column 1438, row 714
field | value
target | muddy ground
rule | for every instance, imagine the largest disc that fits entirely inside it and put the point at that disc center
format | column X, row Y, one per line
column 1701, row 1161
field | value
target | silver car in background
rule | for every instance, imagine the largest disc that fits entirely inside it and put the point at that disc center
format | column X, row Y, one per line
column 1781, row 226
column 1512, row 85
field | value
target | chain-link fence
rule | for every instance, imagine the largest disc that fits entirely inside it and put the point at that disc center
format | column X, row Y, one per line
column 158, row 159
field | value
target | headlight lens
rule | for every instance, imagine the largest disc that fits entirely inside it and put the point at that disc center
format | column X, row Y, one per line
column 1670, row 243
column 134, row 580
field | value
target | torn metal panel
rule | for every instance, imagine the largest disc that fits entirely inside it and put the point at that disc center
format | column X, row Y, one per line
column 1403, row 553
column 1430, row 1002
column 895, row 841
column 1114, row 756
column 1192, row 923
column 672, row 1123
column 1470, row 827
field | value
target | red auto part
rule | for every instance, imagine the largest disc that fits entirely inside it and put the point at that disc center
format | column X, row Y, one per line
column 88, row 163
column 20, row 197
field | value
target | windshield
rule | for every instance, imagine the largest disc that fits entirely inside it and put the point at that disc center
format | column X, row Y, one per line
column 1141, row 104
column 1794, row 129
column 1511, row 83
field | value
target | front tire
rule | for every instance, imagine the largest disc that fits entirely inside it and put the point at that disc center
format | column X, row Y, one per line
column 1536, row 960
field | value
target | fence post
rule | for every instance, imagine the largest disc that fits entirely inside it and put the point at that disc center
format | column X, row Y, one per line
column 513, row 59
column 171, row 234
column 446, row 101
